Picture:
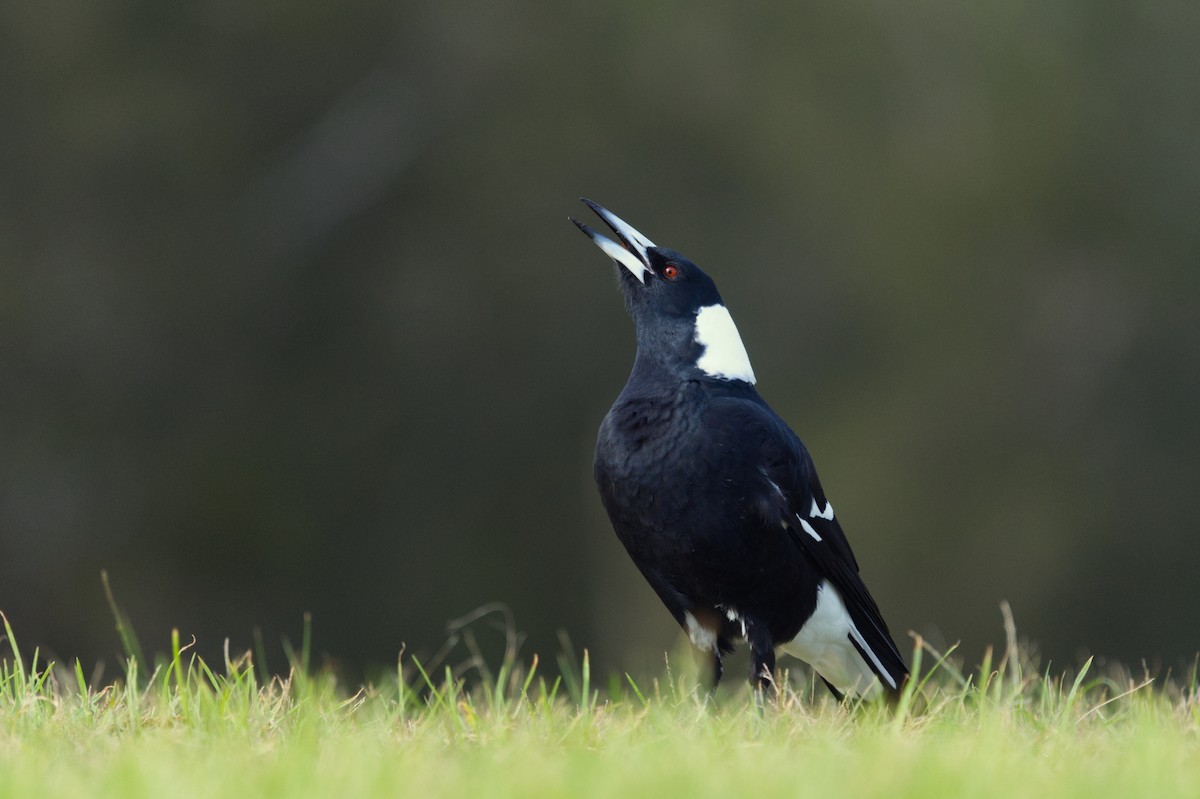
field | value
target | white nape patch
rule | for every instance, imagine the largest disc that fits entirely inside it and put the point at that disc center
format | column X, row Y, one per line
column 822, row 514
column 724, row 353
column 824, row 643
column 622, row 256
column 700, row 636
column 808, row 528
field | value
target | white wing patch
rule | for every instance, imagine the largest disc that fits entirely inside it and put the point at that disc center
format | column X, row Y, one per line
column 817, row 513
column 808, row 528
column 724, row 353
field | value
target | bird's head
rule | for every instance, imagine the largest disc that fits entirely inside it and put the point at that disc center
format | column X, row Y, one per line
column 680, row 317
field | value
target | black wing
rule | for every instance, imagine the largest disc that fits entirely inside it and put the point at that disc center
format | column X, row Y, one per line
column 793, row 498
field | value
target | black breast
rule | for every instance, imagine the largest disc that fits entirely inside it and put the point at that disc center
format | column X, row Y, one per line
column 683, row 490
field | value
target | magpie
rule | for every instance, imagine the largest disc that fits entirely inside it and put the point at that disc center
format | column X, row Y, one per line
column 715, row 498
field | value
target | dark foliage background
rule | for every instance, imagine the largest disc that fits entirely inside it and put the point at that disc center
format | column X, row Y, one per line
column 291, row 317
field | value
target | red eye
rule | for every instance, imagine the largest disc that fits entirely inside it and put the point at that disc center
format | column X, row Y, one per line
column 670, row 271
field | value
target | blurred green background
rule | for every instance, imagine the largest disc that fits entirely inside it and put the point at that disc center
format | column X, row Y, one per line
column 292, row 318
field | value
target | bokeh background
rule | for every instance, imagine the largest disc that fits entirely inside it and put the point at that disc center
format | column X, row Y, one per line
column 292, row 319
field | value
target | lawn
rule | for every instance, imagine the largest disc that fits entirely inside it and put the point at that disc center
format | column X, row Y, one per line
column 189, row 728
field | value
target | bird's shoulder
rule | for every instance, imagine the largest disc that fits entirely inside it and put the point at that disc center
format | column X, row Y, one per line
column 789, row 493
column 743, row 420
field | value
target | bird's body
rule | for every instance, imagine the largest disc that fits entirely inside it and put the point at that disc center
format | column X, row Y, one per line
column 716, row 499
column 657, row 461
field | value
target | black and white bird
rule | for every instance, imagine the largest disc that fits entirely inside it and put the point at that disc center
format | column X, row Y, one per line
column 716, row 499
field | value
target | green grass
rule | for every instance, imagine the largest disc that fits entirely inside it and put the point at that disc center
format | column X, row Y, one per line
column 190, row 728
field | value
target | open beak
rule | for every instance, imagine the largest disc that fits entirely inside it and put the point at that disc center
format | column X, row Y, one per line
column 630, row 252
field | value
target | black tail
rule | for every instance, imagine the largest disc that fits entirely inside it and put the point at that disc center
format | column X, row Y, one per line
column 876, row 647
